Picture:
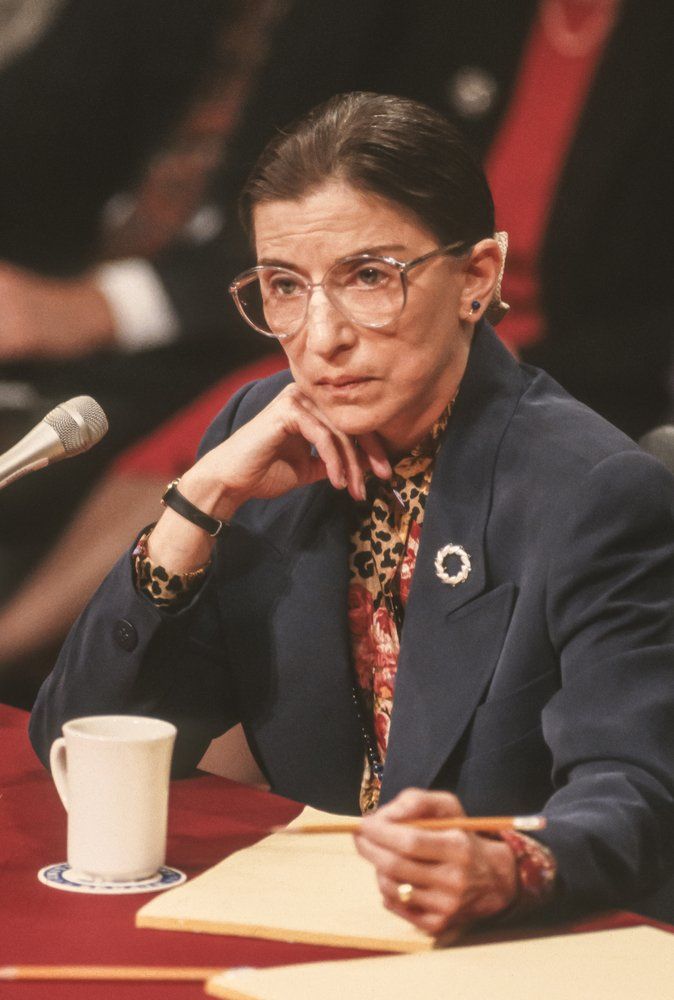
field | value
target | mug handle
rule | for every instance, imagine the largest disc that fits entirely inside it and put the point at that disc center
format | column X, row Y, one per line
column 57, row 763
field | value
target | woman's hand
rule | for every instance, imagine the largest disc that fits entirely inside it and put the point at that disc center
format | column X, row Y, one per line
column 457, row 877
column 288, row 444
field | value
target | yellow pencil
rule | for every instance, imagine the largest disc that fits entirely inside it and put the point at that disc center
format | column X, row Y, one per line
column 473, row 824
column 186, row 973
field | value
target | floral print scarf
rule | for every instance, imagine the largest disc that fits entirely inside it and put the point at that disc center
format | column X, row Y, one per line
column 382, row 555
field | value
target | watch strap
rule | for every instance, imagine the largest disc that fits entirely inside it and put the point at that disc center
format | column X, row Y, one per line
column 174, row 499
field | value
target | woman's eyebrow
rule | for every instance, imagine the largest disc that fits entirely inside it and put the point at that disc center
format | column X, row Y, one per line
column 372, row 251
column 381, row 248
column 275, row 262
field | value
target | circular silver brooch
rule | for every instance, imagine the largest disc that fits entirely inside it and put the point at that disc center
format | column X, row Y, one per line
column 443, row 555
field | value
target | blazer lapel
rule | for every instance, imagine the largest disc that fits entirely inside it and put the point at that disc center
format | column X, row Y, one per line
column 297, row 678
column 453, row 635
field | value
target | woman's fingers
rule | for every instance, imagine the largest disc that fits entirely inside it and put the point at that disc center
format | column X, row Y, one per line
column 319, row 436
column 417, row 803
column 434, row 924
column 372, row 448
column 450, row 876
column 345, row 460
column 354, row 472
column 394, row 866
column 367, row 453
column 385, row 833
column 351, row 477
column 447, row 889
column 436, row 888
column 288, row 444
column 425, row 901
column 409, row 842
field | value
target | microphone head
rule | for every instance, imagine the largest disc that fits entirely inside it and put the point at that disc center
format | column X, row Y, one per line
column 79, row 423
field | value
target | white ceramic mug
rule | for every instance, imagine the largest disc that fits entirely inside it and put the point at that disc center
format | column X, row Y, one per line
column 112, row 773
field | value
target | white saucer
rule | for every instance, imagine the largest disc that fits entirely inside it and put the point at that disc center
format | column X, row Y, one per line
column 61, row 876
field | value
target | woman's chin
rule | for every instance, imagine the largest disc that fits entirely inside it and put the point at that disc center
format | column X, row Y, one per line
column 352, row 420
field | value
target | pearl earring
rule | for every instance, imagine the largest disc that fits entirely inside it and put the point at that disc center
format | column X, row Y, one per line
column 475, row 305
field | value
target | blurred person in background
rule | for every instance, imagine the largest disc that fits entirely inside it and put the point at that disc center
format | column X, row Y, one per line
column 113, row 117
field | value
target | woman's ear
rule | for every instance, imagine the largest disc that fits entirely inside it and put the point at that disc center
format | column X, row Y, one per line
column 481, row 275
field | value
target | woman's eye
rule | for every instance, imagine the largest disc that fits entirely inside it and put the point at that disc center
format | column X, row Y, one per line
column 370, row 276
column 283, row 287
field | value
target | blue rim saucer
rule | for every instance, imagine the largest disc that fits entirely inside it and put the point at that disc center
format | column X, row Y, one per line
column 61, row 876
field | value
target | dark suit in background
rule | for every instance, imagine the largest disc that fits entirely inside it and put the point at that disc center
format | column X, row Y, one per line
column 81, row 113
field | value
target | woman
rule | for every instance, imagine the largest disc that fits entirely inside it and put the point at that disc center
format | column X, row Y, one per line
column 408, row 565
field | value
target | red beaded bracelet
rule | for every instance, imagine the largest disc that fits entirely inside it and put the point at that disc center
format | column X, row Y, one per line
column 536, row 870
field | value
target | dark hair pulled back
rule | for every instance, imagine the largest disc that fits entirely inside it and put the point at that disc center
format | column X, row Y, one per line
column 390, row 146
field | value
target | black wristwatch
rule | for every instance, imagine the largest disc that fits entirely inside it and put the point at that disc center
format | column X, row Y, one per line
column 174, row 499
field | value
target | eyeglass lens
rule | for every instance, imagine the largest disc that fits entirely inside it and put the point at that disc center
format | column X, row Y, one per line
column 368, row 292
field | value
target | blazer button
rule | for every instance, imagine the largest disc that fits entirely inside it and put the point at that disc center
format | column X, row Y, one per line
column 125, row 635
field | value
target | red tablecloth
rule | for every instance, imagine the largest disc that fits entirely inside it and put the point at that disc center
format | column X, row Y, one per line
column 209, row 818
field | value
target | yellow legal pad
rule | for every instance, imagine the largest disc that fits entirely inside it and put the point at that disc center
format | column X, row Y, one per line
column 628, row 964
column 315, row 889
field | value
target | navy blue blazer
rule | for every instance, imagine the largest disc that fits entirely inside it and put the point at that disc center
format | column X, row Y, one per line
column 542, row 682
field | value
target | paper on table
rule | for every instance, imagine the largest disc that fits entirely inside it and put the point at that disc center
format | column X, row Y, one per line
column 314, row 889
column 625, row 964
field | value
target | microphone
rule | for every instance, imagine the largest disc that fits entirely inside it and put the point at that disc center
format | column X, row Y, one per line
column 660, row 443
column 69, row 429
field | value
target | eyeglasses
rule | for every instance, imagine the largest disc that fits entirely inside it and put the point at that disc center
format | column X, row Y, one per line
column 369, row 291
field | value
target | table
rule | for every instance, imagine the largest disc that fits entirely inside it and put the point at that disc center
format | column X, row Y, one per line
column 209, row 818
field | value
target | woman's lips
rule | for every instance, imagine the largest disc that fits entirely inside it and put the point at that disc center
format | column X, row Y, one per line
column 345, row 385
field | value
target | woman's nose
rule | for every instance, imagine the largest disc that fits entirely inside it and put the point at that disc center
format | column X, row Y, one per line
column 327, row 329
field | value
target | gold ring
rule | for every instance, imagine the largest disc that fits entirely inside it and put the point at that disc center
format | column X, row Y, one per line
column 404, row 893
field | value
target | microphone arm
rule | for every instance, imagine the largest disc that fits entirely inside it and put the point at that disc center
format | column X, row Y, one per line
column 40, row 446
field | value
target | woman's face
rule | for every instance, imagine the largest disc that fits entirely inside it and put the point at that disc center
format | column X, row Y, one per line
column 396, row 380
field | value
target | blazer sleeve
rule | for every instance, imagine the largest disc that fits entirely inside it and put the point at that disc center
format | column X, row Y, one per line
column 610, row 726
column 125, row 656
